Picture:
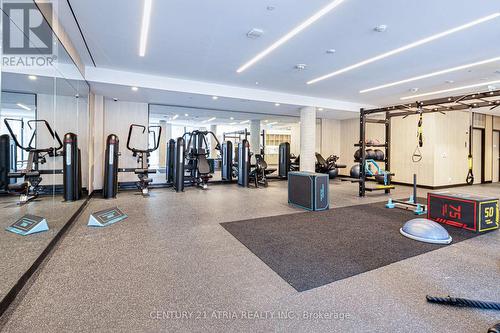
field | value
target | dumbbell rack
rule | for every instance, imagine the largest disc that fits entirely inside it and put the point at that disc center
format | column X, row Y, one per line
column 363, row 120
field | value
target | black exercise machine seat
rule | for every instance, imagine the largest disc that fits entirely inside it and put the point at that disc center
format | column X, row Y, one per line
column 140, row 171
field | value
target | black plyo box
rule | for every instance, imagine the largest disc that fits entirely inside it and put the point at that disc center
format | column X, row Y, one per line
column 308, row 190
column 471, row 212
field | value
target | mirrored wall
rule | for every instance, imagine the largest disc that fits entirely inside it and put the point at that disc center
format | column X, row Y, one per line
column 264, row 132
column 43, row 141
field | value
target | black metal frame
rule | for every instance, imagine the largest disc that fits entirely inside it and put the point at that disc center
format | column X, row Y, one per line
column 454, row 103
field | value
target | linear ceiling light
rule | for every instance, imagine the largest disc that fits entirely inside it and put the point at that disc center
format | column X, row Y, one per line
column 482, row 84
column 444, row 71
column 244, row 121
column 290, row 34
column 146, row 16
column 209, row 120
column 407, row 47
column 23, row 106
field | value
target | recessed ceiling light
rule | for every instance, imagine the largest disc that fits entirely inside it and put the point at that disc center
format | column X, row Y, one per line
column 244, row 121
column 331, row 51
column 215, row 97
column 406, row 47
column 273, row 123
column 32, row 77
column 413, row 90
column 300, row 67
column 444, row 71
column 320, row 109
column 482, row 84
column 277, row 104
column 232, row 123
column 266, row 121
column 492, row 87
column 186, row 115
column 484, row 78
column 115, row 99
column 380, row 28
column 146, row 17
column 135, row 88
column 256, row 83
column 232, row 118
column 21, row 105
column 290, row 34
column 175, row 117
column 450, row 81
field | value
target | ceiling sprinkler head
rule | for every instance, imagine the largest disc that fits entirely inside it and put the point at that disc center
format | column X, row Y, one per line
column 331, row 51
column 413, row 90
column 380, row 28
column 255, row 33
column 300, row 67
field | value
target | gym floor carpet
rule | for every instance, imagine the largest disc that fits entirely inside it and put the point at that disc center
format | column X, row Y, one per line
column 307, row 252
column 172, row 254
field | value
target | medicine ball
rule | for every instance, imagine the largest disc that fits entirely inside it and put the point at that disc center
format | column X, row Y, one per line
column 355, row 171
column 379, row 155
column 357, row 155
column 370, row 154
column 333, row 173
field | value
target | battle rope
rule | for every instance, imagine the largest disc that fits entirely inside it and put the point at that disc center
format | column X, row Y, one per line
column 463, row 302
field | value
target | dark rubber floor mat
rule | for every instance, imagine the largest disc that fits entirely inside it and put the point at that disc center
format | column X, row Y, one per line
column 312, row 249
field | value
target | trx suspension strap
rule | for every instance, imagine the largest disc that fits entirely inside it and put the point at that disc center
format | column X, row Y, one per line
column 470, row 175
column 417, row 155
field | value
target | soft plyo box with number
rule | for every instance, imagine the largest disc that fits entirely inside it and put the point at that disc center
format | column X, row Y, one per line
column 472, row 212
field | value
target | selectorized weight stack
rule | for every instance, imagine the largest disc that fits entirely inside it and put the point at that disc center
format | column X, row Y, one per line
column 170, row 161
column 243, row 163
column 178, row 173
column 5, row 162
column 284, row 160
column 110, row 187
column 227, row 161
column 72, row 169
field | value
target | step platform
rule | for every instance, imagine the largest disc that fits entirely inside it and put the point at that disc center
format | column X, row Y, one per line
column 28, row 225
column 106, row 217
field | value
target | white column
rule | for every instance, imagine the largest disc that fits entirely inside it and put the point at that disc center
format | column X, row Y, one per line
column 213, row 143
column 99, row 137
column 255, row 136
column 307, row 138
column 162, row 150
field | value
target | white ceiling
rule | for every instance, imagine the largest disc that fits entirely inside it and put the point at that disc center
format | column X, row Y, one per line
column 206, row 41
